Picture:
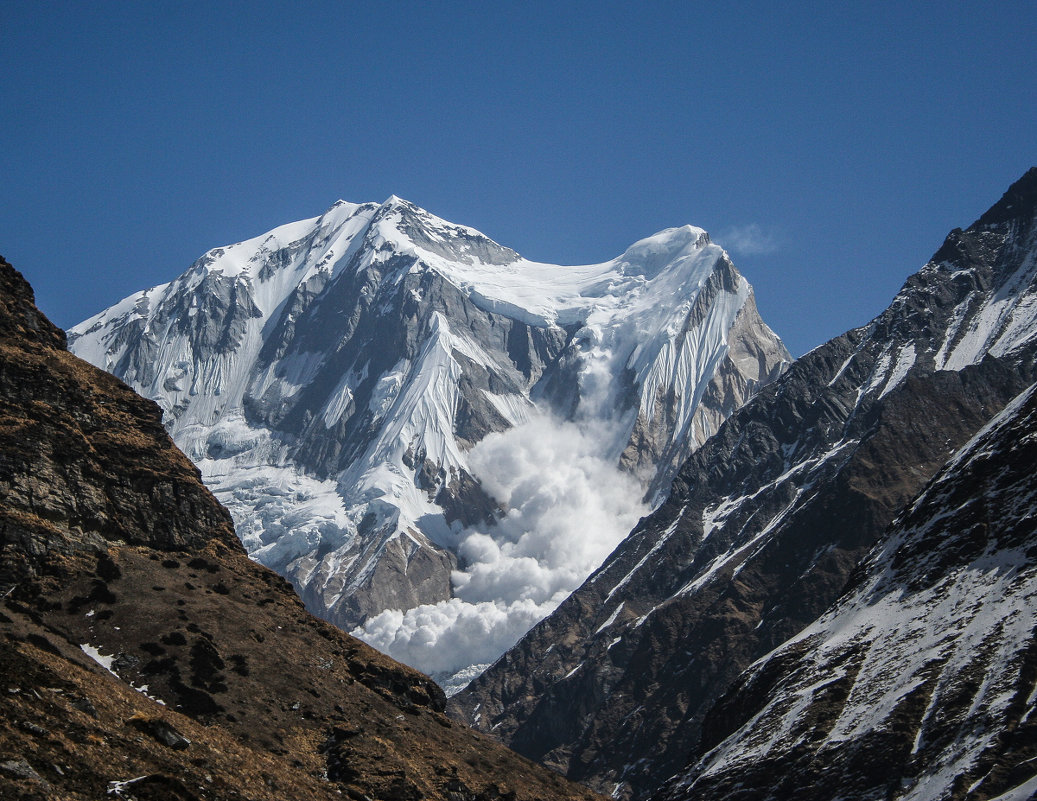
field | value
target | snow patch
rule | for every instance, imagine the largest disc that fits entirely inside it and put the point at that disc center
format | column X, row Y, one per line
column 104, row 661
column 107, row 663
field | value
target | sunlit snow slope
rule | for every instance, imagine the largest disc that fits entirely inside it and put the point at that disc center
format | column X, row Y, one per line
column 376, row 392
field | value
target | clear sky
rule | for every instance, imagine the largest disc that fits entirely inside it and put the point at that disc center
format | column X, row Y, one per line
column 829, row 146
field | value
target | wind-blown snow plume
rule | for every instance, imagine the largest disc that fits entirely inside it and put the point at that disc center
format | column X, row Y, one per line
column 750, row 240
column 568, row 506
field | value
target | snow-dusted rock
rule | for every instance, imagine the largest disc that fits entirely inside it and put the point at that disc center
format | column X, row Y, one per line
column 921, row 682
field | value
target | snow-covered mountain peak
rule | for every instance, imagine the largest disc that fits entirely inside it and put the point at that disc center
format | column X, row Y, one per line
column 651, row 255
column 405, row 228
column 333, row 378
column 250, row 255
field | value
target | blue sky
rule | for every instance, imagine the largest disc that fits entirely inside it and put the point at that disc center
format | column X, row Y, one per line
column 829, row 146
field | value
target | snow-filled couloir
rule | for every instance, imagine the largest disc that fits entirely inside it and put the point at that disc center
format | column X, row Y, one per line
column 429, row 435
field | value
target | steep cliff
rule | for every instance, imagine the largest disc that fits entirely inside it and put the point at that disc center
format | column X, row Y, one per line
column 921, row 682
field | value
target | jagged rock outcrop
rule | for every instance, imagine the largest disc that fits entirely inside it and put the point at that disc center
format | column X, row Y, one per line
column 331, row 377
column 143, row 654
column 84, row 460
column 921, row 682
column 767, row 520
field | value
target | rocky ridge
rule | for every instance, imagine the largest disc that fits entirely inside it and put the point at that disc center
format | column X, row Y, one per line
column 921, row 682
column 769, row 518
column 144, row 656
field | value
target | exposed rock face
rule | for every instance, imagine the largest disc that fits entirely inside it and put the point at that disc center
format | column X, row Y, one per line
column 767, row 520
column 330, row 378
column 145, row 656
column 84, row 460
column 920, row 683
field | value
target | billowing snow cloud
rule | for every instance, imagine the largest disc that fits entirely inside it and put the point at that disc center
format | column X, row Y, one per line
column 568, row 507
column 446, row 637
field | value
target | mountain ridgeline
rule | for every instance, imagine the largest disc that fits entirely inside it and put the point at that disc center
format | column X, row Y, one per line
column 834, row 597
column 330, row 379
column 765, row 524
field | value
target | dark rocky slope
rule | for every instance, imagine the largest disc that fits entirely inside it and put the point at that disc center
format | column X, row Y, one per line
column 768, row 519
column 142, row 655
column 921, row 682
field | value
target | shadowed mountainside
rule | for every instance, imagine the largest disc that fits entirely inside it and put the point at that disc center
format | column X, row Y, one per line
column 920, row 682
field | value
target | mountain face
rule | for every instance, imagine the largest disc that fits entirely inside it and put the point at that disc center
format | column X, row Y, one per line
column 920, row 683
column 144, row 656
column 333, row 378
column 768, row 519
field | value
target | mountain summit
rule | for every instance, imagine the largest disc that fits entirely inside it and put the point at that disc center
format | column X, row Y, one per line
column 344, row 384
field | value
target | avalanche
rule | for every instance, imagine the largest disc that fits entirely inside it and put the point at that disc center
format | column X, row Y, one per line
column 335, row 380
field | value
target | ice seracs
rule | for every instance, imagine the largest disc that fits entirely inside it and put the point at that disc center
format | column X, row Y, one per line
column 331, row 379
